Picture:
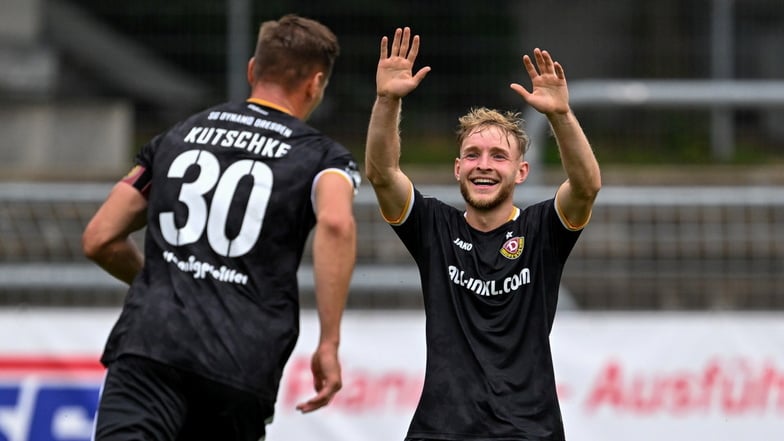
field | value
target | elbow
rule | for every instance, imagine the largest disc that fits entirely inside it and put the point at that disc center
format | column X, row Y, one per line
column 596, row 185
column 381, row 178
column 94, row 245
column 592, row 186
column 338, row 226
column 91, row 248
column 587, row 190
column 589, row 194
column 380, row 173
column 373, row 175
column 375, row 178
column 370, row 174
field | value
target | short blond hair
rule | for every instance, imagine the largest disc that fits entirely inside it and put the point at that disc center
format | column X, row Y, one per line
column 509, row 122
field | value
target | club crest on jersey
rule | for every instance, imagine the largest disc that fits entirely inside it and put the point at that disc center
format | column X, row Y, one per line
column 513, row 248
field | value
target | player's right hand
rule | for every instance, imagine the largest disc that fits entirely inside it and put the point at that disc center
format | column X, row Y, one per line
column 327, row 379
column 394, row 76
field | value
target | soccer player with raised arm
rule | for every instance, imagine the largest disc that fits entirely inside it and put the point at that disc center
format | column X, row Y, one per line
column 489, row 273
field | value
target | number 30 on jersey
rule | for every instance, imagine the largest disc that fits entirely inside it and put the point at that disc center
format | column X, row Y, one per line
column 213, row 218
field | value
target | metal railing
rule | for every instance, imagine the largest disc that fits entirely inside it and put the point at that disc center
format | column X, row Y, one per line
column 645, row 248
column 670, row 94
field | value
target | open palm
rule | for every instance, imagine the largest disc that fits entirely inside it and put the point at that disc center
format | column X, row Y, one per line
column 394, row 76
column 549, row 91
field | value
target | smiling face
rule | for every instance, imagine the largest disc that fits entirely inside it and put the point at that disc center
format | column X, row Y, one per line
column 488, row 168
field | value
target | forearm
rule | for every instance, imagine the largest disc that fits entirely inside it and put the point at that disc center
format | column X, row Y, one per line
column 577, row 158
column 382, row 154
column 107, row 237
column 121, row 258
column 334, row 255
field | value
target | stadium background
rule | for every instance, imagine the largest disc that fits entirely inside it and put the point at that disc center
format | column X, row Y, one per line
column 688, row 220
column 83, row 83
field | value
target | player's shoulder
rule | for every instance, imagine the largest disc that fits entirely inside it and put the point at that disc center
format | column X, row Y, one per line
column 433, row 203
column 539, row 207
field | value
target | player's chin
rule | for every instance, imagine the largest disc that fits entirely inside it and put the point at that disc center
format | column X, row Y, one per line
column 481, row 196
column 483, row 201
column 485, row 192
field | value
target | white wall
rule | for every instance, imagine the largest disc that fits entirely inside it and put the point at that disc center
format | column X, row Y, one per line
column 621, row 376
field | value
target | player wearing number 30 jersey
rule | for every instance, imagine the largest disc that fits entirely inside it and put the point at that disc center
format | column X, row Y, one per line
column 230, row 207
column 229, row 197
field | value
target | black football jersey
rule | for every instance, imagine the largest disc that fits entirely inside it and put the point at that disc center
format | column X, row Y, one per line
column 490, row 300
column 230, row 208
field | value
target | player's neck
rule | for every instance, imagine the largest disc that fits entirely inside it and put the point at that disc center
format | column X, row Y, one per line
column 274, row 96
column 489, row 220
column 272, row 104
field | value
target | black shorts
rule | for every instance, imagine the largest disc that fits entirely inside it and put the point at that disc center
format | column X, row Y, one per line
column 146, row 400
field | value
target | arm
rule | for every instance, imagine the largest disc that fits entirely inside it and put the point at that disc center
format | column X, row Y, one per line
column 577, row 194
column 334, row 255
column 394, row 80
column 106, row 239
column 550, row 96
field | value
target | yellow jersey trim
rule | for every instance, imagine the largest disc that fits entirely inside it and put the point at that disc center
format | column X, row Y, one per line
column 269, row 104
column 406, row 208
column 565, row 222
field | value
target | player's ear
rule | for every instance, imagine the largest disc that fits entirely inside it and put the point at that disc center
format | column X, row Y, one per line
column 457, row 169
column 522, row 172
column 316, row 84
column 251, row 63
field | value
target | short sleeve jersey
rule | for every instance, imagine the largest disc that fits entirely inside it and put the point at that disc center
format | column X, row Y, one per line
column 490, row 301
column 230, row 208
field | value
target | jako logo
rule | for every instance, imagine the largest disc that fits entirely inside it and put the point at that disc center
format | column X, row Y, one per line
column 463, row 244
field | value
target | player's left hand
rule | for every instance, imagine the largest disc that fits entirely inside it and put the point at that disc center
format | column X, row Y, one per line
column 550, row 94
column 326, row 378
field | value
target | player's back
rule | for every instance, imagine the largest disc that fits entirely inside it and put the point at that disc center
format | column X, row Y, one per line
column 230, row 210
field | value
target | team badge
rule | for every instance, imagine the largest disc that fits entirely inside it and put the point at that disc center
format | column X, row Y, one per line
column 513, row 248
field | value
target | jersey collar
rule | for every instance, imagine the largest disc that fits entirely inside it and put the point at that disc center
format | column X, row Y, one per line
column 266, row 103
column 512, row 216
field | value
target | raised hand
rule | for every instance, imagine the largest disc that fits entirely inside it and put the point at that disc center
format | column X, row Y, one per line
column 394, row 76
column 550, row 94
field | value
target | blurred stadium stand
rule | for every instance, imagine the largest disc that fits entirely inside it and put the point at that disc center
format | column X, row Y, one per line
column 162, row 60
column 69, row 89
column 475, row 51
